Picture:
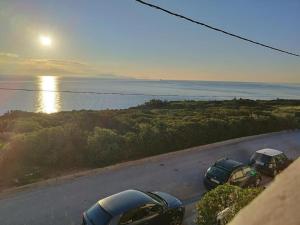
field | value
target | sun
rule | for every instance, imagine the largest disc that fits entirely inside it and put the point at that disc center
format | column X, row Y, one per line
column 45, row 41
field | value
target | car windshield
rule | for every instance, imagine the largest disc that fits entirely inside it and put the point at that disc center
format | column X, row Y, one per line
column 97, row 215
column 219, row 174
column 157, row 198
column 262, row 158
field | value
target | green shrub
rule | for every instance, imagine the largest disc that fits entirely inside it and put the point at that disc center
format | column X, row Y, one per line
column 104, row 147
column 220, row 198
column 48, row 150
column 64, row 141
column 24, row 126
column 155, row 103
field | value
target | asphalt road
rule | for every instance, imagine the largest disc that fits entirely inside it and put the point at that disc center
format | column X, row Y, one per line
column 62, row 202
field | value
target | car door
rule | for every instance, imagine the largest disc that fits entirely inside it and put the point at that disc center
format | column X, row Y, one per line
column 238, row 178
column 156, row 215
column 250, row 176
column 281, row 162
column 148, row 214
column 153, row 215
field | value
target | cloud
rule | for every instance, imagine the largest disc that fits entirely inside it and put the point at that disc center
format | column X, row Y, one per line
column 8, row 55
column 11, row 64
column 56, row 66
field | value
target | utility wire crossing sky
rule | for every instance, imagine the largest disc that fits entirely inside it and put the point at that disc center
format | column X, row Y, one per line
column 125, row 39
column 216, row 29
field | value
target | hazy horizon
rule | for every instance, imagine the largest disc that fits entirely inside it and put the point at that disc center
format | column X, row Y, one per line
column 124, row 77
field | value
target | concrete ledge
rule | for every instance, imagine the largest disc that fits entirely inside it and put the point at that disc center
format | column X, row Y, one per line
column 279, row 204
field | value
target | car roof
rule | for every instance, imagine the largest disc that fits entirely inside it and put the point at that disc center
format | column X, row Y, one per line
column 228, row 164
column 269, row 152
column 126, row 200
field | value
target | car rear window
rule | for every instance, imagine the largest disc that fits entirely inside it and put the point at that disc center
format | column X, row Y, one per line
column 220, row 174
column 97, row 215
column 262, row 158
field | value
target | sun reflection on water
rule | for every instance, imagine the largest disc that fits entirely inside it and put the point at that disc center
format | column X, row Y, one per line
column 48, row 96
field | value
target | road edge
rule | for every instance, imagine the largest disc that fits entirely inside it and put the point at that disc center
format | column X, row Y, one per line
column 57, row 180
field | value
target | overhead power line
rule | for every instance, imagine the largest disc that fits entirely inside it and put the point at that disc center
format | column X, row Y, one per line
column 215, row 28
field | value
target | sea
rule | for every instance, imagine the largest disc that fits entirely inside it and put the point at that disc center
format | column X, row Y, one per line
column 50, row 94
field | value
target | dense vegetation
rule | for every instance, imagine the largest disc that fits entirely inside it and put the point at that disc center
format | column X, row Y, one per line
column 224, row 197
column 36, row 145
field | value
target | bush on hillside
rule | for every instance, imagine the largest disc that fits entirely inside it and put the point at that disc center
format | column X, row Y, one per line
column 46, row 151
column 66, row 141
column 220, row 198
column 104, row 147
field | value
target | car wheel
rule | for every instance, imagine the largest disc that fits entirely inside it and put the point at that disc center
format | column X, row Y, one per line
column 275, row 172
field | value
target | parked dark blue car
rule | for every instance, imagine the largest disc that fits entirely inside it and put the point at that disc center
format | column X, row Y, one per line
column 136, row 207
column 231, row 172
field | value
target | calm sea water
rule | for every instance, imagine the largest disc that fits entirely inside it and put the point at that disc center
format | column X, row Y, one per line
column 120, row 93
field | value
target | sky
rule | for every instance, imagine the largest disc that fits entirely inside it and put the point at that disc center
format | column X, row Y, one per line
column 124, row 38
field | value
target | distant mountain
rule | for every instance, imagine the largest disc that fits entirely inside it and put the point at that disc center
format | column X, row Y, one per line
column 112, row 76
